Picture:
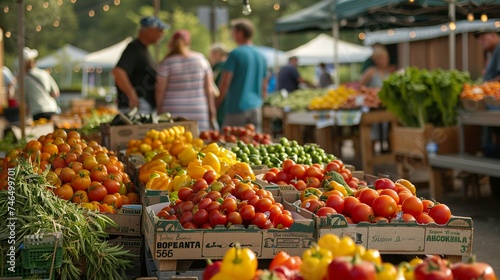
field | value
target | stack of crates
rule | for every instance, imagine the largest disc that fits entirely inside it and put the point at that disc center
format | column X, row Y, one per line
column 40, row 254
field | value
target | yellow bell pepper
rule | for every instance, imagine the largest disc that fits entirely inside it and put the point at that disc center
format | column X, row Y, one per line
column 315, row 261
column 211, row 148
column 243, row 170
column 154, row 165
column 212, row 160
column 334, row 185
column 408, row 185
column 238, row 263
column 181, row 181
column 372, row 255
column 160, row 183
column 145, row 176
column 329, row 242
column 387, row 271
column 196, row 172
column 187, row 156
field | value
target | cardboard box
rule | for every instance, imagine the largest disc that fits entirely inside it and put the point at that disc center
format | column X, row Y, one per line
column 134, row 245
column 452, row 239
column 169, row 241
column 128, row 219
column 117, row 137
column 133, row 163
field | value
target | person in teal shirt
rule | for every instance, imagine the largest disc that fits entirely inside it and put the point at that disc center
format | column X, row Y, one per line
column 243, row 85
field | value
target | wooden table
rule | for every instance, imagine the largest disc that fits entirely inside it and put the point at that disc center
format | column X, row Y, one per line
column 328, row 133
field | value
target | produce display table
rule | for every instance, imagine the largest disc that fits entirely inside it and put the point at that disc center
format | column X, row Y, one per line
column 462, row 160
column 269, row 113
column 330, row 125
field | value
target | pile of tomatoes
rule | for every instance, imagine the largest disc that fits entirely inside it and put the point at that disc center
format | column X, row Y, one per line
column 233, row 134
column 226, row 202
column 82, row 172
column 384, row 201
column 303, row 176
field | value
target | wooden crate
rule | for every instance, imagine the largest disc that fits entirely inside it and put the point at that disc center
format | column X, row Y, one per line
column 82, row 105
column 412, row 142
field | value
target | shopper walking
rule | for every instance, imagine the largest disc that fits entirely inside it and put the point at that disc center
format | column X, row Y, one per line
column 289, row 77
column 41, row 89
column 217, row 58
column 184, row 85
column 135, row 72
column 244, row 83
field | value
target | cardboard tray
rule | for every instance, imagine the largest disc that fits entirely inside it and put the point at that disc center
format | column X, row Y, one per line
column 169, row 241
column 117, row 137
column 128, row 219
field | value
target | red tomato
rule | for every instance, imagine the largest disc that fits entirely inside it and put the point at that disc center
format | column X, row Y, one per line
column 283, row 221
column 391, row 193
column 283, row 176
column 209, row 176
column 287, row 165
column 440, row 213
column 349, row 203
column 346, row 173
column 200, row 217
column 234, row 218
column 332, row 166
column 384, row 206
column 274, row 211
column 408, row 217
column 269, row 177
column 186, row 217
column 473, row 270
column 247, row 212
column 367, row 196
column 362, row 213
column 300, row 185
column 189, row 225
column 384, row 183
column 314, row 172
column 325, row 211
column 339, row 163
column 344, row 268
column 313, row 182
column 214, row 205
column 264, row 204
column 111, row 185
column 204, row 203
column 187, row 206
column 97, row 192
column 336, row 202
column 274, row 170
column 428, row 204
column 433, row 268
column 184, row 193
column 298, row 171
column 213, row 195
column 413, row 205
column 260, row 220
column 312, row 205
column 228, row 205
column 200, row 184
column 424, row 219
column 217, row 218
column 403, row 196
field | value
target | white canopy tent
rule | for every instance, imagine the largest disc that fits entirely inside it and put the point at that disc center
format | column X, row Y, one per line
column 102, row 59
column 320, row 49
column 66, row 59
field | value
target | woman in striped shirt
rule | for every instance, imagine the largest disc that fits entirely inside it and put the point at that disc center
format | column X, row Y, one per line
column 184, row 85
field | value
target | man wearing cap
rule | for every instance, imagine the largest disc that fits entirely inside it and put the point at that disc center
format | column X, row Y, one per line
column 135, row 72
column 41, row 89
column 490, row 42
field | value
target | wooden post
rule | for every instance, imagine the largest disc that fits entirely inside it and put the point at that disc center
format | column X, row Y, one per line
column 20, row 45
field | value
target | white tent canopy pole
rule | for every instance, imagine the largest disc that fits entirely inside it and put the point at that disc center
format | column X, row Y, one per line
column 335, row 31
column 452, row 38
column 20, row 46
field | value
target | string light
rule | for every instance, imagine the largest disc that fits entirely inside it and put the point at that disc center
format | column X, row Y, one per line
column 276, row 6
column 29, row 7
column 56, row 23
column 59, row 2
column 497, row 24
column 453, row 26
column 91, row 13
column 73, row 1
column 105, row 8
column 361, row 35
column 444, row 28
column 45, row 5
column 76, row 69
column 411, row 1
column 38, row 28
column 116, row 2
column 6, row 9
column 413, row 34
column 470, row 16
column 484, row 17
column 390, row 32
column 7, row 34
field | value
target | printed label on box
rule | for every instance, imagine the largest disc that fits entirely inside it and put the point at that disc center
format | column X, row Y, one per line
column 448, row 241
column 294, row 243
column 358, row 234
column 396, row 238
column 177, row 245
column 217, row 243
